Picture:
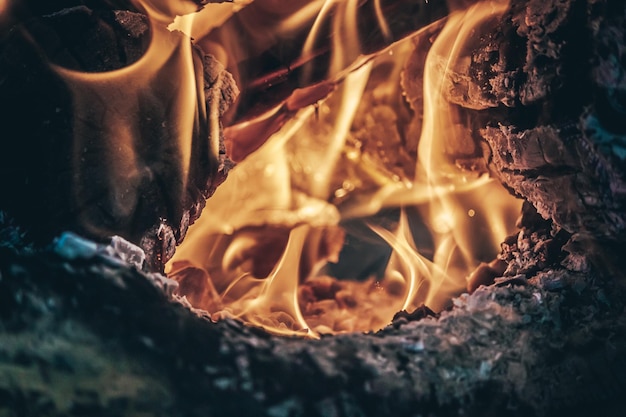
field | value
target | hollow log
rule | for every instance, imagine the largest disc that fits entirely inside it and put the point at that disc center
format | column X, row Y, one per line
column 85, row 332
column 59, row 172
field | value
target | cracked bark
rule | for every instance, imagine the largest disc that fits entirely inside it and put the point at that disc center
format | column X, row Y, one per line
column 546, row 94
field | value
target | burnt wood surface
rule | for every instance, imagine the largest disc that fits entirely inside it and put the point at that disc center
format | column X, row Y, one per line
column 84, row 332
column 571, row 161
column 39, row 174
column 546, row 93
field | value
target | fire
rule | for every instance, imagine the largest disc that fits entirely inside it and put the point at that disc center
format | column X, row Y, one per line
column 266, row 244
column 360, row 159
column 110, row 110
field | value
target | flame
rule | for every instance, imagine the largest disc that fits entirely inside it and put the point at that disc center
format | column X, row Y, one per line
column 273, row 299
column 269, row 235
column 456, row 236
column 409, row 269
column 110, row 112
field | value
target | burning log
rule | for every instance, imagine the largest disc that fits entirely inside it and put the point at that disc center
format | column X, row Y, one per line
column 529, row 349
column 548, row 338
column 545, row 92
column 538, row 96
column 278, row 77
column 108, row 161
column 270, row 69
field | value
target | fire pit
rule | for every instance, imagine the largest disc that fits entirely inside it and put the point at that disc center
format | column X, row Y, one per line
column 362, row 257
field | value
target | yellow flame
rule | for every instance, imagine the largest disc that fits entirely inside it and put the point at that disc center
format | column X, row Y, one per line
column 407, row 265
column 317, row 157
column 345, row 41
column 456, row 237
column 273, row 301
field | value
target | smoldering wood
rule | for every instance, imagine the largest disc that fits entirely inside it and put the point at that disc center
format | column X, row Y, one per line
column 582, row 145
column 85, row 333
column 38, row 163
column 547, row 339
column 545, row 92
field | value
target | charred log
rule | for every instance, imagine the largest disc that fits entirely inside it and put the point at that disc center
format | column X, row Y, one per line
column 545, row 93
column 43, row 146
column 552, row 344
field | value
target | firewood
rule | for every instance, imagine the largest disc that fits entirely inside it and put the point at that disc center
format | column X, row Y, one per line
column 545, row 92
column 273, row 73
column 113, row 340
column 268, row 71
column 38, row 163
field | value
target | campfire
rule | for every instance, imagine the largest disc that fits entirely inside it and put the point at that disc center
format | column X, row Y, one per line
column 331, row 207
column 342, row 159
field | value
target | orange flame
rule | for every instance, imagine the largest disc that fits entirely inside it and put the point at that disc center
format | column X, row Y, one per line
column 273, row 302
column 275, row 208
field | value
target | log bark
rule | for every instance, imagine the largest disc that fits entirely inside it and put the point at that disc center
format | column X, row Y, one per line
column 545, row 92
column 85, row 333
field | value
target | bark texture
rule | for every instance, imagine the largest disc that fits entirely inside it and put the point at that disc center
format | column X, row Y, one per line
column 546, row 92
column 85, row 332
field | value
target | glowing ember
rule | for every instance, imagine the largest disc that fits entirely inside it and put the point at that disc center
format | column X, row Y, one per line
column 264, row 248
